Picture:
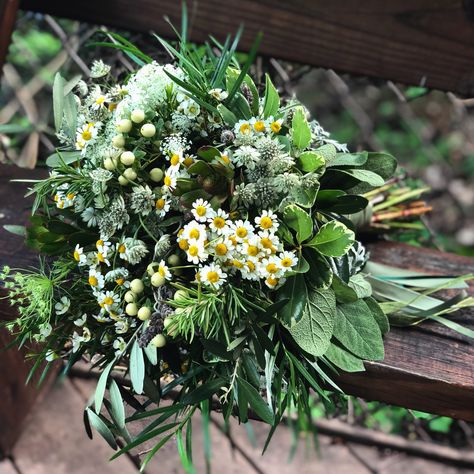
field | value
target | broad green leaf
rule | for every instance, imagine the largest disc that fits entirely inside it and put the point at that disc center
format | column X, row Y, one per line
column 344, row 359
column 382, row 164
column 357, row 330
column 257, row 403
column 255, row 98
column 118, row 410
column 101, row 428
column 63, row 157
column 310, row 161
column 301, row 132
column 327, row 151
column 366, row 176
column 344, row 293
column 360, row 285
column 70, row 116
column 320, row 273
column 314, row 330
column 333, row 239
column 137, row 368
column 299, row 220
column 227, row 115
column 101, row 386
column 294, row 290
column 58, row 100
column 271, row 102
column 349, row 159
column 378, row 314
column 208, row 153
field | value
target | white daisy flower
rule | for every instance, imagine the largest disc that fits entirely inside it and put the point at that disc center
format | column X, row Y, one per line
column 62, row 306
column 162, row 206
column 241, row 230
column 194, row 230
column 163, row 270
column 268, row 220
column 121, row 326
column 175, row 159
column 79, row 255
column 218, row 222
column 218, row 94
column 288, row 260
column 202, row 210
column 196, row 252
column 271, row 267
column 169, row 182
column 109, row 301
column 268, row 241
column 96, row 279
column 259, row 125
column 222, row 248
column 212, row 275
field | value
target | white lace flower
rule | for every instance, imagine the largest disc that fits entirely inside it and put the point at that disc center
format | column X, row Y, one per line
column 62, row 306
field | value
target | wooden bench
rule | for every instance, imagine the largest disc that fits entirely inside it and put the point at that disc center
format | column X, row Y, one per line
column 419, row 42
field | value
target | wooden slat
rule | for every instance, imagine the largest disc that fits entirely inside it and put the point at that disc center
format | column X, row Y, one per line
column 16, row 399
column 412, row 41
column 8, row 10
column 428, row 367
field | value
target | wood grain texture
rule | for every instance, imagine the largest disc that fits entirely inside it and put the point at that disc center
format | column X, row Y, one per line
column 427, row 42
column 8, row 10
column 428, row 367
column 16, row 399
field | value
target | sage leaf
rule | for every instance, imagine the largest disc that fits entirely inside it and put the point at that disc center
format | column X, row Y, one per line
column 58, row 100
column 314, row 330
column 360, row 285
column 333, row 239
column 344, row 359
column 358, row 331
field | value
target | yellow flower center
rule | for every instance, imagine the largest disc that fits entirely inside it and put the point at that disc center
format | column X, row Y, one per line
column 241, row 232
column 183, row 244
column 201, row 211
column 276, row 127
column 162, row 271
column 100, row 100
column 213, row 277
column 100, row 257
column 77, row 255
column 266, row 243
column 120, row 281
column 86, row 135
column 194, row 234
column 188, row 161
column 225, row 159
column 221, row 249
column 271, row 268
column 259, row 126
column 160, row 204
column 252, row 250
column 93, row 281
column 193, row 250
column 286, row 262
column 237, row 264
column 174, row 160
column 218, row 222
column 70, row 195
column 167, row 181
column 266, row 222
column 272, row 281
column 108, row 300
column 245, row 128
column 250, row 265
column 112, row 107
column 121, row 248
column 99, row 243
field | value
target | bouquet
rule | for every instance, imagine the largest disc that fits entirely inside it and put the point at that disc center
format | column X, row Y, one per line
column 197, row 233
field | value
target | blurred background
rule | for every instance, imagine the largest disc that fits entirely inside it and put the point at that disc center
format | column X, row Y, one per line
column 430, row 132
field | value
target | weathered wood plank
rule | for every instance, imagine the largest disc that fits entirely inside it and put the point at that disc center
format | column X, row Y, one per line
column 16, row 398
column 8, row 10
column 411, row 41
column 428, row 368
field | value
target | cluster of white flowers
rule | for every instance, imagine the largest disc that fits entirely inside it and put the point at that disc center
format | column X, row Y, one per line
column 222, row 247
